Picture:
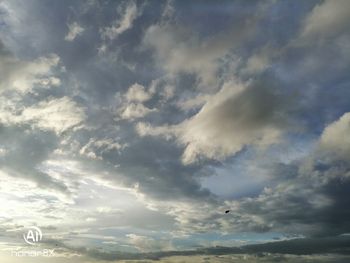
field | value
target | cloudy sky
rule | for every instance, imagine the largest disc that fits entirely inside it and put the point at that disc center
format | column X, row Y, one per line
column 130, row 127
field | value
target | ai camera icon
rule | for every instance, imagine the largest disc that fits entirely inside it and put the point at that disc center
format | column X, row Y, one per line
column 33, row 235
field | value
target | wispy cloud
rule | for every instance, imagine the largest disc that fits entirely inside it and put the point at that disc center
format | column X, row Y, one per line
column 74, row 30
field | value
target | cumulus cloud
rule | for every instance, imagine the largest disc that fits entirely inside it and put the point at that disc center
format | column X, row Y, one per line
column 23, row 75
column 177, row 51
column 134, row 110
column 236, row 116
column 335, row 138
column 258, row 62
column 58, row 115
column 138, row 93
column 74, row 30
column 132, row 102
column 327, row 19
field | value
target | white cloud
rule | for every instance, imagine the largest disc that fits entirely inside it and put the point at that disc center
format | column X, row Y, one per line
column 192, row 103
column 122, row 24
column 134, row 111
column 104, row 209
column 178, row 51
column 132, row 107
column 95, row 148
column 137, row 93
column 335, row 138
column 148, row 244
column 58, row 115
column 15, row 204
column 257, row 62
column 2, row 152
column 74, row 30
column 144, row 129
column 230, row 119
column 327, row 19
column 24, row 75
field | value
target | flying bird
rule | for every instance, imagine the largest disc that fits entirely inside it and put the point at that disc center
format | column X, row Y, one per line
column 227, row 211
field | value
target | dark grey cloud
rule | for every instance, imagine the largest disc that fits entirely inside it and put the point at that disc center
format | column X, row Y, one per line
column 310, row 200
column 25, row 149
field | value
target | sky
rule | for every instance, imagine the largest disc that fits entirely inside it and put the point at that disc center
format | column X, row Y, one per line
column 128, row 128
